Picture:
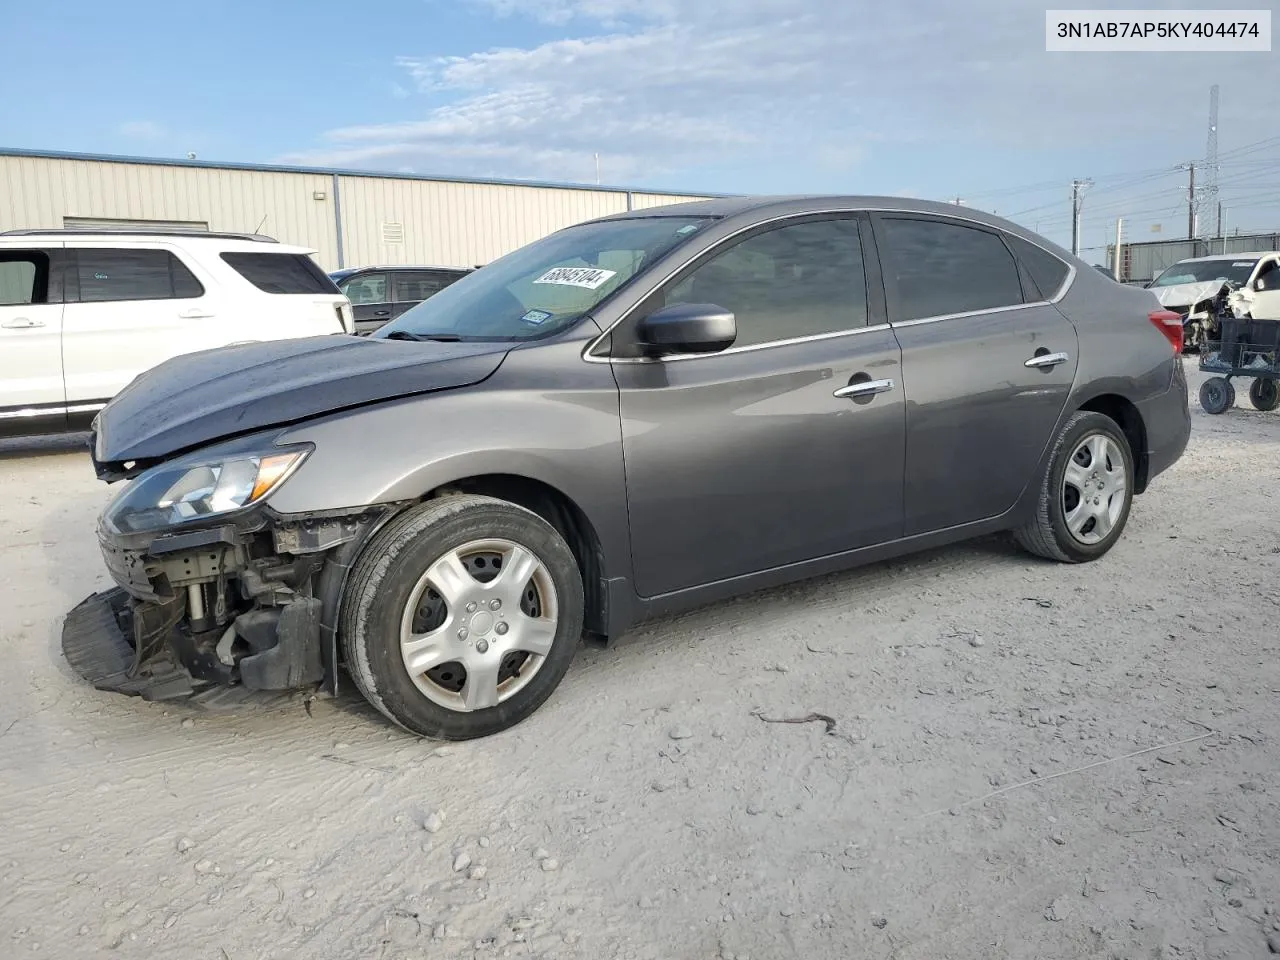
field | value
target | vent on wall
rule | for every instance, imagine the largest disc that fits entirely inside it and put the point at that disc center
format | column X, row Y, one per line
column 392, row 232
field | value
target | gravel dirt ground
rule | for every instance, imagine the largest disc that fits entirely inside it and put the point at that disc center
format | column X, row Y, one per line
column 1029, row 760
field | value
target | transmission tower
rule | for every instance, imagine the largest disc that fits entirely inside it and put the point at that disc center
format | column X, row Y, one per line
column 1208, row 214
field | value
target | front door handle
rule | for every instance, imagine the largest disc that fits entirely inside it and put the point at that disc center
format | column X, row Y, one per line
column 864, row 388
column 382, row 313
column 22, row 323
column 1046, row 360
column 195, row 313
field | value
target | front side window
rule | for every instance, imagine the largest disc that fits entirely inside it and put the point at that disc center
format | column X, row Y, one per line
column 546, row 285
column 107, row 275
column 939, row 268
column 281, row 273
column 366, row 288
column 24, row 277
column 802, row 280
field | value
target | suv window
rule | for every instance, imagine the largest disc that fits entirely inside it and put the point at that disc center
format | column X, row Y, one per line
column 941, row 268
column 24, row 277
column 1047, row 271
column 366, row 288
column 411, row 287
column 794, row 281
column 113, row 274
column 281, row 272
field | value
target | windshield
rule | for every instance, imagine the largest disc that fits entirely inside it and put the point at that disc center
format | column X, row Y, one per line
column 1204, row 271
column 546, row 285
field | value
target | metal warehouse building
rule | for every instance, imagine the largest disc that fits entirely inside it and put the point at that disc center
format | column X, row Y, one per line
column 351, row 218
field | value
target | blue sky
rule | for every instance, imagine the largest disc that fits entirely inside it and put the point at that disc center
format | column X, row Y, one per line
column 917, row 97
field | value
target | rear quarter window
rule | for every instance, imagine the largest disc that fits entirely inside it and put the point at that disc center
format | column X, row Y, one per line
column 1047, row 271
column 281, row 273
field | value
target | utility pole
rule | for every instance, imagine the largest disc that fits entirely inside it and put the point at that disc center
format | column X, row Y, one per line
column 1218, row 232
column 1191, row 201
column 1209, row 186
column 1075, row 213
column 1115, row 267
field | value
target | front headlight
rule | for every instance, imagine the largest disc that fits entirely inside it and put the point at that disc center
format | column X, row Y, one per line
column 183, row 491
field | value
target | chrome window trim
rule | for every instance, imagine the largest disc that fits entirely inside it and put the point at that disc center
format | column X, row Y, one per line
column 669, row 357
column 595, row 342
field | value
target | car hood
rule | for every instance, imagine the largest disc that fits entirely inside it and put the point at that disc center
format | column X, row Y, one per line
column 196, row 398
column 1186, row 294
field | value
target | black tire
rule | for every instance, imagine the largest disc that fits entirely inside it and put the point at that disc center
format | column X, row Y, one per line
column 384, row 579
column 1217, row 395
column 1046, row 534
column 1264, row 394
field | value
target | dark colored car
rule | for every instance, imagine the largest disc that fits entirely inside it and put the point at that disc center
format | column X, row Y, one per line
column 630, row 417
column 380, row 294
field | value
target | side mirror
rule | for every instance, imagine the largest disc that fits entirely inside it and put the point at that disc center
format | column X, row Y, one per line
column 1260, row 283
column 688, row 328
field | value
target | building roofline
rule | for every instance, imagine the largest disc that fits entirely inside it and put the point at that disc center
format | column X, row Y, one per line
column 337, row 171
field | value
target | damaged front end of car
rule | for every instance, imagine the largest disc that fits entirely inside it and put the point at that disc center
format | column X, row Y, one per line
column 216, row 594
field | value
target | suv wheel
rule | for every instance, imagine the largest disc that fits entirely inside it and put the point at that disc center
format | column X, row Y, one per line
column 462, row 616
column 1086, row 492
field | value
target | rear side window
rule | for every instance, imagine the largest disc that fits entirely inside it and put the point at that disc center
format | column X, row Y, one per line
column 940, row 268
column 281, row 272
column 106, row 275
column 412, row 287
column 1047, row 271
column 24, row 277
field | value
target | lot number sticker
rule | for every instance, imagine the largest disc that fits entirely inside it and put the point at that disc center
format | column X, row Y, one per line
column 587, row 277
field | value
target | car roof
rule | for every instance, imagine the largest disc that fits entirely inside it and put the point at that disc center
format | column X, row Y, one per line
column 228, row 242
column 1229, row 256
column 348, row 271
column 763, row 207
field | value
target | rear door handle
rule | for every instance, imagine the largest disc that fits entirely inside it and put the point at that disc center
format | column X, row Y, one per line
column 382, row 313
column 22, row 323
column 864, row 388
column 1046, row 360
column 195, row 313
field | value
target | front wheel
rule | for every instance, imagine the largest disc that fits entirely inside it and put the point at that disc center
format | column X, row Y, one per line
column 1263, row 394
column 462, row 616
column 1086, row 492
column 1217, row 395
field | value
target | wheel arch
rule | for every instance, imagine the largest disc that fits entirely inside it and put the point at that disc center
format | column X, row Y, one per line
column 563, row 513
column 1126, row 414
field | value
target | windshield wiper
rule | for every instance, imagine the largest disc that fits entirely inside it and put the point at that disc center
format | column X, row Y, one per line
column 436, row 337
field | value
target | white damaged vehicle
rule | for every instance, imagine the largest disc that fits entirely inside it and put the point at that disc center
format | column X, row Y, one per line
column 1189, row 287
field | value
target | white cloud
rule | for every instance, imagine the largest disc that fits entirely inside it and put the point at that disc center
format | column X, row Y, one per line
column 142, row 130
column 662, row 88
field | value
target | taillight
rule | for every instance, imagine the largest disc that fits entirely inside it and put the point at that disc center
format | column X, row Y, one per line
column 1170, row 324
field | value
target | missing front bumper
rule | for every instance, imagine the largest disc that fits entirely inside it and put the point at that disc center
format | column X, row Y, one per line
column 110, row 641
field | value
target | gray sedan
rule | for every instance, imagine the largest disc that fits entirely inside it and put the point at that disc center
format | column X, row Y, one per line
column 627, row 418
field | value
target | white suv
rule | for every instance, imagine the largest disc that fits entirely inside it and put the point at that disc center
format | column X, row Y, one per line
column 83, row 313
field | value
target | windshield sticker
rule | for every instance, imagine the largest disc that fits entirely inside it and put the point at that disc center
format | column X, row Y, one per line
column 686, row 229
column 536, row 316
column 588, row 277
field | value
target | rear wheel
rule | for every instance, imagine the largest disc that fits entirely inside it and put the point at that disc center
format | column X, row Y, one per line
column 1086, row 492
column 1263, row 394
column 462, row 617
column 1217, row 395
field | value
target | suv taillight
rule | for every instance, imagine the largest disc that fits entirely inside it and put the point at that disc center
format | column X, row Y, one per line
column 1170, row 324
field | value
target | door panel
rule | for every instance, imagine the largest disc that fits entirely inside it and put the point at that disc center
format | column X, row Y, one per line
column 130, row 309
column 979, row 419
column 747, row 461
column 969, row 321
column 30, row 334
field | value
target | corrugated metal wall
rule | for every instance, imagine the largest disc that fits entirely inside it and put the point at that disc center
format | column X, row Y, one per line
column 39, row 192
column 458, row 224
column 384, row 219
